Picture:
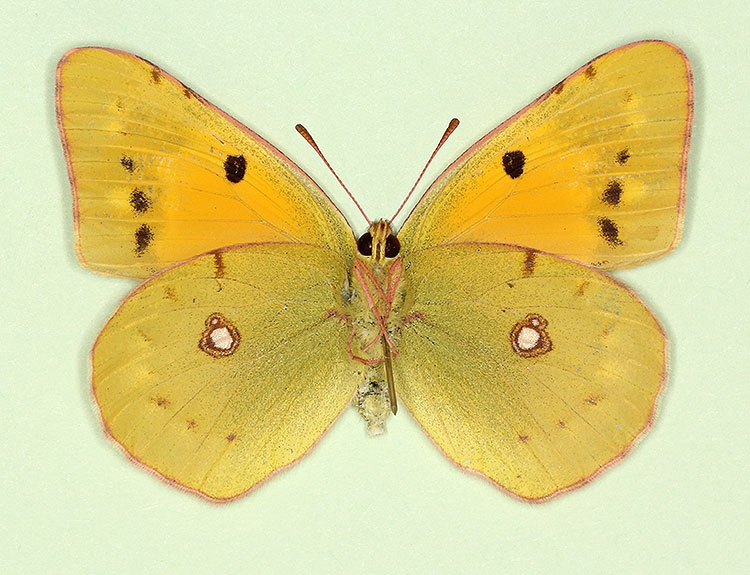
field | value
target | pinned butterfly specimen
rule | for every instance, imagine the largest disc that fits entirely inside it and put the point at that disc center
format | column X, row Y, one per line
column 487, row 315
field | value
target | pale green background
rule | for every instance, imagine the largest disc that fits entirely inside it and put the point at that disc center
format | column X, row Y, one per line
column 375, row 84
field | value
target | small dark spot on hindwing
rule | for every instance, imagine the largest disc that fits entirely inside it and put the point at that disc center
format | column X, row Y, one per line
column 155, row 75
column 590, row 72
column 513, row 163
column 143, row 238
column 160, row 401
column 612, row 193
column 234, row 168
column 609, row 231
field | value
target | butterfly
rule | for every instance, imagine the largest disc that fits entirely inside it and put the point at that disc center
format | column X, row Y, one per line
column 487, row 315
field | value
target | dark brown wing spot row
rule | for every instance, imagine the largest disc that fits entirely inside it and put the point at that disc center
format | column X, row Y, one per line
column 220, row 338
column 127, row 163
column 234, row 168
column 513, row 163
column 613, row 193
column 155, row 75
column 143, row 238
column 609, row 231
column 529, row 263
column 590, row 72
column 139, row 201
column 622, row 156
column 529, row 336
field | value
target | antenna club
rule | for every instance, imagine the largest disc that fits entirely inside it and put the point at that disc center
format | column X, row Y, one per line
column 306, row 135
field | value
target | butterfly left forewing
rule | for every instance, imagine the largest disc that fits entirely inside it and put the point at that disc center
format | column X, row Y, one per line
column 160, row 175
column 534, row 371
column 594, row 170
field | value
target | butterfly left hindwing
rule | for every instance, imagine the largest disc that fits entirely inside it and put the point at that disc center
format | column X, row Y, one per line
column 222, row 370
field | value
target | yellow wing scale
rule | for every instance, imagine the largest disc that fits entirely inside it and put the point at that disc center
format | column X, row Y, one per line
column 593, row 170
column 220, row 424
column 160, row 175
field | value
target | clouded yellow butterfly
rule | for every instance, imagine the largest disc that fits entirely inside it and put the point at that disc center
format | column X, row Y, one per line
column 489, row 315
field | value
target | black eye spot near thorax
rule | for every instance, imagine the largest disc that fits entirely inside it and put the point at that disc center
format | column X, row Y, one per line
column 513, row 163
column 364, row 244
column 234, row 168
column 392, row 246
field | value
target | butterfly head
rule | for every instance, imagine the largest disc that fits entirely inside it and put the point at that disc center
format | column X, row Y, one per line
column 379, row 244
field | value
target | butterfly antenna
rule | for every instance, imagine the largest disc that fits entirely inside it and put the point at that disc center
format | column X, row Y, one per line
column 306, row 135
column 452, row 125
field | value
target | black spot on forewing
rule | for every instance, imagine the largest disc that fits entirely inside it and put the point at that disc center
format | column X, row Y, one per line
column 513, row 163
column 609, row 231
column 127, row 163
column 234, row 168
column 622, row 156
column 143, row 238
column 139, row 201
column 612, row 193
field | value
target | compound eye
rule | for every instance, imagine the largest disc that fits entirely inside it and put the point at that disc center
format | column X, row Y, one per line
column 392, row 246
column 364, row 244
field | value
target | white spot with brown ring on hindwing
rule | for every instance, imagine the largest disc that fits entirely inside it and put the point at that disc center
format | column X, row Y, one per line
column 220, row 338
column 529, row 336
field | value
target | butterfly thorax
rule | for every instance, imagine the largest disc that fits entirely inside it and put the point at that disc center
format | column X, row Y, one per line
column 377, row 298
